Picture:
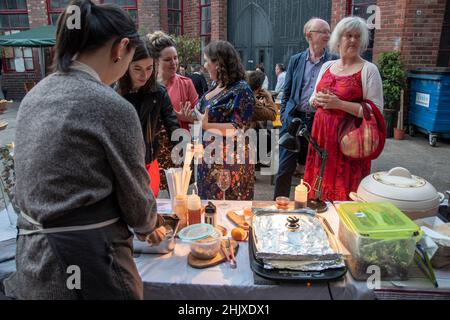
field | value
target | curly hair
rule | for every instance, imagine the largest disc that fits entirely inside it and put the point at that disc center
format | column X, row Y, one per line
column 255, row 79
column 230, row 69
column 159, row 41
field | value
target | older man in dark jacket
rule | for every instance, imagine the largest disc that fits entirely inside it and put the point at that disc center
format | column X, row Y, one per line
column 301, row 78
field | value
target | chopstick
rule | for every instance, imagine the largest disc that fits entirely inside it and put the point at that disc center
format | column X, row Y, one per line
column 225, row 253
column 233, row 262
column 426, row 264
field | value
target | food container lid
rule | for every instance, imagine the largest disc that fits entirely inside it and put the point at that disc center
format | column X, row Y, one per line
column 196, row 232
column 378, row 220
column 399, row 184
column 399, row 178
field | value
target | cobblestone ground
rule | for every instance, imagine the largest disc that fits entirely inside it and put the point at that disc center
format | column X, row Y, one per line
column 415, row 154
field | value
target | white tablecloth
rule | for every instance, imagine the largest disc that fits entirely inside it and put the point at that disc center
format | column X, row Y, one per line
column 7, row 224
column 170, row 277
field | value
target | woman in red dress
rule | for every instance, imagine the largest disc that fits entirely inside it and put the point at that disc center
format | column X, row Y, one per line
column 341, row 85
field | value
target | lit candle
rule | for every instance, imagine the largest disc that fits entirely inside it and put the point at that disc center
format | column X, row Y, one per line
column 301, row 195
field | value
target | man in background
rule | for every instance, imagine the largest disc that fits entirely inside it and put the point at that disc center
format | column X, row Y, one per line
column 280, row 71
column 301, row 78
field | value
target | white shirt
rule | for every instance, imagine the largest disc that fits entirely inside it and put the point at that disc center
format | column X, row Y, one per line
column 265, row 85
column 280, row 84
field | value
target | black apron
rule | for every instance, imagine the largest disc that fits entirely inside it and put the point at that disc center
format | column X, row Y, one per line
column 101, row 251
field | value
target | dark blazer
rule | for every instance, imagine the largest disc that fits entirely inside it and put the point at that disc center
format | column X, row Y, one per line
column 154, row 109
column 293, row 84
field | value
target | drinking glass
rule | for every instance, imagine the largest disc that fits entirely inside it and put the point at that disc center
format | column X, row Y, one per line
column 223, row 182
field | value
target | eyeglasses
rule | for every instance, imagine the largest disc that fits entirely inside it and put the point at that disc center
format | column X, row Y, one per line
column 321, row 31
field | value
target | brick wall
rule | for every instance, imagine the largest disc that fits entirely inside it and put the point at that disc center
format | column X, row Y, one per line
column 191, row 16
column 390, row 36
column 37, row 13
column 149, row 15
column 422, row 32
column 339, row 9
column 14, row 82
column 219, row 20
column 412, row 27
column 164, row 23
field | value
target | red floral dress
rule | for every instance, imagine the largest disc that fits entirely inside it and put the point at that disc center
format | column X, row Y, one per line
column 341, row 175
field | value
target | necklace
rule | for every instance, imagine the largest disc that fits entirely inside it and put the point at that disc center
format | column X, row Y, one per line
column 340, row 68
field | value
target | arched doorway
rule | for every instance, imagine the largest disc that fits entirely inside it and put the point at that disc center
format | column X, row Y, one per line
column 253, row 37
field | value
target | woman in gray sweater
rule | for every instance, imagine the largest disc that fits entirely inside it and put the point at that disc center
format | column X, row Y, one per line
column 81, row 180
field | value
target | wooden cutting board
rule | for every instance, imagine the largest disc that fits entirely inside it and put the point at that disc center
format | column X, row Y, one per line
column 238, row 220
column 218, row 259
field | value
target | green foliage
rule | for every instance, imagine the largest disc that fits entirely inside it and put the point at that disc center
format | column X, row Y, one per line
column 189, row 49
column 394, row 78
column 143, row 31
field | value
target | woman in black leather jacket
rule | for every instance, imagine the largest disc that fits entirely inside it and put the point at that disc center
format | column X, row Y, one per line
column 152, row 103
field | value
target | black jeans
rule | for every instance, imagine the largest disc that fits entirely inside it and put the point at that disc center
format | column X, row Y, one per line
column 288, row 159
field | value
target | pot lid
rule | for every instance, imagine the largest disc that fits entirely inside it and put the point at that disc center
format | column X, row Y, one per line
column 399, row 184
column 399, row 177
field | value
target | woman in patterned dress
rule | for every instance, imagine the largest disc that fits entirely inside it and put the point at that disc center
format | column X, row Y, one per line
column 341, row 85
column 227, row 108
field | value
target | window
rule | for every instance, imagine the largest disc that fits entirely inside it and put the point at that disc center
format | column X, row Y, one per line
column 55, row 8
column 129, row 6
column 175, row 16
column 444, row 48
column 359, row 8
column 205, row 22
column 13, row 19
column 13, row 15
column 13, row 5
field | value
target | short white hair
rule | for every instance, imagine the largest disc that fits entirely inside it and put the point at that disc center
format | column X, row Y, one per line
column 308, row 25
column 350, row 24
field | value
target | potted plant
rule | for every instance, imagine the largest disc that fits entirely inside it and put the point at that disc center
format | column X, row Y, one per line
column 394, row 80
column 189, row 49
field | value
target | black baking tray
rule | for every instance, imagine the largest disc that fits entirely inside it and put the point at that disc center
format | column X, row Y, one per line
column 284, row 275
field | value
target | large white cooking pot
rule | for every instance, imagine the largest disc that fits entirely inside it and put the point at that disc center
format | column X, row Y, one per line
column 413, row 195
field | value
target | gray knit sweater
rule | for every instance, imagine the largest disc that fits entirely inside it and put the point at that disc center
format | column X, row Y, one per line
column 77, row 142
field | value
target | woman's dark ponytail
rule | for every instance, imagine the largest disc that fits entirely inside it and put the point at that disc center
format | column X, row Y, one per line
column 98, row 25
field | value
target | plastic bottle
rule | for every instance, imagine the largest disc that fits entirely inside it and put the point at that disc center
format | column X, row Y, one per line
column 180, row 209
column 194, row 206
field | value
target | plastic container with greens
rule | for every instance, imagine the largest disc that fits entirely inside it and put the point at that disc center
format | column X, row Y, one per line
column 377, row 234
